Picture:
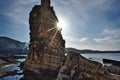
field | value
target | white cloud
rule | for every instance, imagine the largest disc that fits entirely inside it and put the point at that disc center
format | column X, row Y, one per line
column 102, row 40
column 104, row 43
column 111, row 32
column 84, row 39
column 16, row 18
column 78, row 12
column 71, row 39
column 107, row 40
column 85, row 12
column 18, row 11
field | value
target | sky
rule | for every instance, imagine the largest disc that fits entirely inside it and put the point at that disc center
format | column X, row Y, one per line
column 89, row 24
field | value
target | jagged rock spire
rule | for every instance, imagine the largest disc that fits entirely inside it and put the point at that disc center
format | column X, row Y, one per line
column 45, row 3
column 47, row 46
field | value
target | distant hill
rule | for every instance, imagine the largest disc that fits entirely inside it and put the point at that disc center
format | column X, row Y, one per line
column 90, row 51
column 10, row 45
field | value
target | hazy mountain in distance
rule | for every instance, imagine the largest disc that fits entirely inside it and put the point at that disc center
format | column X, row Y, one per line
column 90, row 51
column 7, row 43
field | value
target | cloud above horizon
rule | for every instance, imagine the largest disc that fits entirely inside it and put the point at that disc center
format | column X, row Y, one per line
column 17, row 11
column 111, row 32
column 84, row 39
column 92, row 24
column 107, row 40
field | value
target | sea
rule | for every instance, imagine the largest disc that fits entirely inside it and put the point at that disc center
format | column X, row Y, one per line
column 100, row 56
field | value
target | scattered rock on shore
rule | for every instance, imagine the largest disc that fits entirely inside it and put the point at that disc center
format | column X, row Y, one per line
column 79, row 68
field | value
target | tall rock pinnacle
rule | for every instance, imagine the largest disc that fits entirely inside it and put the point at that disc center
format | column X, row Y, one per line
column 45, row 3
column 47, row 47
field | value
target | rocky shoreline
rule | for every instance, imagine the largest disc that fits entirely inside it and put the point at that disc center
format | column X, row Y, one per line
column 6, row 64
column 76, row 67
column 79, row 68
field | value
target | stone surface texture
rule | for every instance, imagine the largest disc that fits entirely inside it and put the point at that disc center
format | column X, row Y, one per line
column 47, row 46
column 79, row 68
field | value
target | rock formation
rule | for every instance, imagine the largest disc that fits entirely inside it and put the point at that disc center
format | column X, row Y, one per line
column 46, row 42
column 79, row 68
column 47, row 50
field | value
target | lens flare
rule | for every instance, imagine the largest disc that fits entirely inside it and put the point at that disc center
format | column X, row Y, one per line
column 59, row 26
column 62, row 24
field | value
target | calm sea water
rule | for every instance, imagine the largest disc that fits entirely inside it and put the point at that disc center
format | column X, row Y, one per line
column 99, row 56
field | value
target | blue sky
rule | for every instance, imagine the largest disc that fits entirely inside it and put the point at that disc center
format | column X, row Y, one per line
column 90, row 24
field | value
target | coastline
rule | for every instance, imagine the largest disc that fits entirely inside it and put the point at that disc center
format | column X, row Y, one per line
column 87, row 68
column 82, row 68
column 6, row 64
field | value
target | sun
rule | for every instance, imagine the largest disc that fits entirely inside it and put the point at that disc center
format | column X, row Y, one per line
column 59, row 26
column 62, row 24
